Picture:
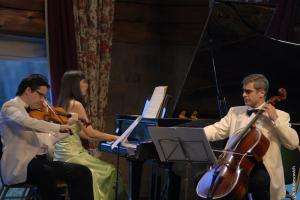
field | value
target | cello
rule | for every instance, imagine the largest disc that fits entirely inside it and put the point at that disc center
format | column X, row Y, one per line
column 228, row 178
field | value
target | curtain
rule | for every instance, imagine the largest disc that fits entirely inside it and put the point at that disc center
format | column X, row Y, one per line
column 93, row 28
column 62, row 42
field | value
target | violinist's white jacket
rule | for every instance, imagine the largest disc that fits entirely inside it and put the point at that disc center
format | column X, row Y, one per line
column 19, row 140
column 278, row 132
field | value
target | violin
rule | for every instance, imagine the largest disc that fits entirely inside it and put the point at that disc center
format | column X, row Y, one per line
column 53, row 114
column 47, row 113
column 229, row 177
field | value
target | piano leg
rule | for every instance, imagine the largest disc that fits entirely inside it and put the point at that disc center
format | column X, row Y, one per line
column 155, row 181
column 171, row 188
column 135, row 174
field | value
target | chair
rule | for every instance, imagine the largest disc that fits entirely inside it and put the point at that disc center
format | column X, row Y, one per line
column 29, row 190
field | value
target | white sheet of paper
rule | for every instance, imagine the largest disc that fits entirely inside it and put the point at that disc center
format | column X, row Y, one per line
column 155, row 103
column 127, row 132
column 151, row 110
column 145, row 107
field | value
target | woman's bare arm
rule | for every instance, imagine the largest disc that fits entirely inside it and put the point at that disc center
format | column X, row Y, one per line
column 89, row 131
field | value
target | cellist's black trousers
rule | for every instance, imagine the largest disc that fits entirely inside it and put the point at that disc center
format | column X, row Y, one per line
column 45, row 174
column 259, row 183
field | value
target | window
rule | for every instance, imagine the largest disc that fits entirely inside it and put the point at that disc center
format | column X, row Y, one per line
column 13, row 71
column 19, row 57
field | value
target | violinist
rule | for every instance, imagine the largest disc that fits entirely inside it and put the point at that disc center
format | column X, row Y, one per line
column 266, row 178
column 73, row 88
column 24, row 156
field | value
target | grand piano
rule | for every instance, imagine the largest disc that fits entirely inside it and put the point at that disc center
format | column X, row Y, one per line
column 233, row 44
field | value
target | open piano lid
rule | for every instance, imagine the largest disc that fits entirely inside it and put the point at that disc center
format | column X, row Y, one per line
column 234, row 35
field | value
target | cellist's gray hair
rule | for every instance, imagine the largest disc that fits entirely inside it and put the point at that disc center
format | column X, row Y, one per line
column 259, row 80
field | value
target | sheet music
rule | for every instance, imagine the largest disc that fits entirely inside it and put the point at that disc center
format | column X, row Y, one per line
column 145, row 107
column 151, row 110
column 154, row 106
column 126, row 133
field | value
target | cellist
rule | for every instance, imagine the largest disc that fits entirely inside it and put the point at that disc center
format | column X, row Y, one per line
column 267, row 178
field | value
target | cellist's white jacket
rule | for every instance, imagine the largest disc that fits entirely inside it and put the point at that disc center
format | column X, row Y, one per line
column 278, row 132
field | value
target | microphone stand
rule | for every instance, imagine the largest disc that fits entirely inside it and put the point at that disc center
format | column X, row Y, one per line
column 117, row 177
column 222, row 104
column 222, row 107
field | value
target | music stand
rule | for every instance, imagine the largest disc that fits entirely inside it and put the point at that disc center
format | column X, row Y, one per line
column 175, row 144
column 182, row 144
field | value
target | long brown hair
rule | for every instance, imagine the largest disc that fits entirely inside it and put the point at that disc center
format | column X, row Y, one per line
column 70, row 88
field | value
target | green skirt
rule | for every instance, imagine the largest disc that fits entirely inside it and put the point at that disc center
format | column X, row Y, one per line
column 104, row 174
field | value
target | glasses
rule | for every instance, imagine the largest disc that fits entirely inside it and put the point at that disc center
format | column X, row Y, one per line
column 248, row 91
column 41, row 94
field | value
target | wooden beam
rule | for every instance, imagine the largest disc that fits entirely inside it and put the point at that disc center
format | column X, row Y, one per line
column 21, row 22
column 15, row 48
column 33, row 5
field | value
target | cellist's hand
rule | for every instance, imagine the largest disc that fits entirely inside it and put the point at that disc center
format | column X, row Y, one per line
column 271, row 111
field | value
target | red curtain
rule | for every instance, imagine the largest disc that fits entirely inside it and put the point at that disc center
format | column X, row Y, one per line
column 62, row 42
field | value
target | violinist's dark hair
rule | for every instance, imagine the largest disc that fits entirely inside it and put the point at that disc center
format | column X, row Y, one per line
column 33, row 81
column 259, row 80
column 70, row 88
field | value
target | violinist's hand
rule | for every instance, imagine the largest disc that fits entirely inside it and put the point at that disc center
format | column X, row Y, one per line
column 72, row 121
column 65, row 128
column 271, row 111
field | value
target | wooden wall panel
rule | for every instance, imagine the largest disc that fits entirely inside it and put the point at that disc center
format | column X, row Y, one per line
column 153, row 44
column 297, row 25
column 36, row 5
column 183, row 14
column 136, row 12
column 136, row 22
column 22, row 17
column 135, row 32
column 22, row 22
column 185, row 34
column 167, row 21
